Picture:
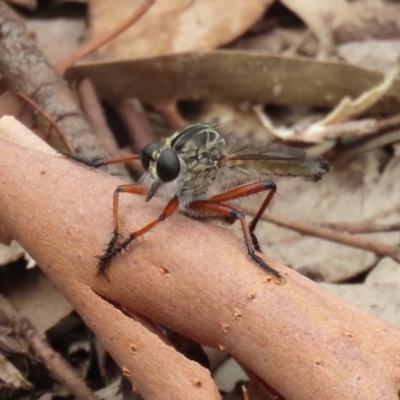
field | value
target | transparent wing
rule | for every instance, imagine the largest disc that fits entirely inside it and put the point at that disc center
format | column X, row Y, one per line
column 247, row 149
column 247, row 160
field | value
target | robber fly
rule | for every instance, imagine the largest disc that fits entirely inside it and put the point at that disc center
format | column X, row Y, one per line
column 200, row 171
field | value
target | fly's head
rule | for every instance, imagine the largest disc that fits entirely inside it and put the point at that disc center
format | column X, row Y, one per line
column 186, row 160
column 161, row 162
column 163, row 166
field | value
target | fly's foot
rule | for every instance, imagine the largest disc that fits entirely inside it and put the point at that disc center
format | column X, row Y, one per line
column 95, row 163
column 111, row 252
column 276, row 275
column 255, row 242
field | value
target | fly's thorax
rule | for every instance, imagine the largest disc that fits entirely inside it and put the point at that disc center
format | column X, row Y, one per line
column 196, row 142
column 191, row 158
column 201, row 149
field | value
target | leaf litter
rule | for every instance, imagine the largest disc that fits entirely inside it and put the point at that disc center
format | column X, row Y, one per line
column 172, row 55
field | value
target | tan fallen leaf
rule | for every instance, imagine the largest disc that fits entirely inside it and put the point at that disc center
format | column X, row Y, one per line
column 172, row 27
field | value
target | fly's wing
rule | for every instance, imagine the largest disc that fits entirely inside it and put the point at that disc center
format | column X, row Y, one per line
column 247, row 160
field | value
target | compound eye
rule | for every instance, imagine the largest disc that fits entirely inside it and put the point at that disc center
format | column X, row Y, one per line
column 145, row 156
column 168, row 165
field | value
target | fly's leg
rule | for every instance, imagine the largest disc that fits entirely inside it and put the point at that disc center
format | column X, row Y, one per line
column 100, row 162
column 247, row 190
column 110, row 252
column 114, row 249
column 226, row 210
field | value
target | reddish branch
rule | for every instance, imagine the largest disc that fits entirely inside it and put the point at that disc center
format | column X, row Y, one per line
column 94, row 113
column 193, row 278
column 132, row 113
column 52, row 123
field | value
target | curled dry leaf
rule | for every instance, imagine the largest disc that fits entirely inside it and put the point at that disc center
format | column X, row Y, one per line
column 296, row 326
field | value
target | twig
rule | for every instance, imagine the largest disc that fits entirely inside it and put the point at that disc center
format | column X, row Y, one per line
column 51, row 121
column 61, row 370
column 318, row 133
column 306, row 228
column 362, row 227
column 131, row 111
column 367, row 130
column 387, row 124
column 101, row 40
column 93, row 112
column 169, row 110
column 372, row 135
column 245, row 393
column 369, row 144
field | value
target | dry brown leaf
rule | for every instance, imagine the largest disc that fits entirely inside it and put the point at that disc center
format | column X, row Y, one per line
column 172, row 27
column 231, row 76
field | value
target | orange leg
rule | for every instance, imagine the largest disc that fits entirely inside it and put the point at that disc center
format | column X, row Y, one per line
column 132, row 189
column 247, row 190
column 114, row 249
column 231, row 212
